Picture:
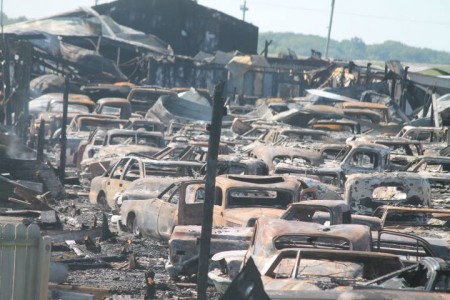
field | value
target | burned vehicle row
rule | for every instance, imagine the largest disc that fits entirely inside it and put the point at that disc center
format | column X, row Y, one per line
column 116, row 143
column 326, row 178
column 239, row 200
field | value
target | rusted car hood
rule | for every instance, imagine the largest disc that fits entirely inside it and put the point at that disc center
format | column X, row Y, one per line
column 240, row 216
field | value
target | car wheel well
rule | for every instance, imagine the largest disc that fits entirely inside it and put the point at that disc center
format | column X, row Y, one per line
column 100, row 194
column 101, row 200
column 130, row 220
column 131, row 224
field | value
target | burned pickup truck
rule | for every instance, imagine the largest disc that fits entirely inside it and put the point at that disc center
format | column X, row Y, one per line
column 271, row 236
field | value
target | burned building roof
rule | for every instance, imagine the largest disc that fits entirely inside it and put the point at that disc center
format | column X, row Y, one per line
column 187, row 26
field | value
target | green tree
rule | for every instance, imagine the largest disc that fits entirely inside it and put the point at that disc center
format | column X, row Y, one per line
column 354, row 48
column 7, row 20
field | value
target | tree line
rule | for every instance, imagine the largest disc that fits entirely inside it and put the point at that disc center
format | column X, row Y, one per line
column 354, row 48
column 7, row 20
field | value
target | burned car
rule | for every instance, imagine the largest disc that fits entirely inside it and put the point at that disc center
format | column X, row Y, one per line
column 144, row 124
column 423, row 134
column 332, row 212
column 240, row 165
column 429, row 164
column 292, row 135
column 272, row 235
column 239, row 200
column 320, row 269
column 430, row 274
column 184, row 238
column 119, row 107
column 437, row 170
column 189, row 150
column 356, row 158
column 105, row 188
column 119, row 142
column 80, row 128
column 427, row 224
column 330, row 177
column 116, row 144
column 380, row 109
column 272, row 155
column 144, row 97
column 403, row 151
column 49, row 108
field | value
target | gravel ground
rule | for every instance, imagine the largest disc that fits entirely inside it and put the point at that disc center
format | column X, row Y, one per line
column 150, row 254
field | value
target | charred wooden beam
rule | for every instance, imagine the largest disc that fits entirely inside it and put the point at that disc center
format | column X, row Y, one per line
column 41, row 141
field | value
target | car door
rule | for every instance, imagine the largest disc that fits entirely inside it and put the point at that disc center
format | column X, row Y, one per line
column 190, row 207
column 148, row 220
column 114, row 182
column 133, row 171
column 168, row 212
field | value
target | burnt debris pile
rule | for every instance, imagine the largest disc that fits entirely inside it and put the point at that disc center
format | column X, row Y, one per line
column 328, row 176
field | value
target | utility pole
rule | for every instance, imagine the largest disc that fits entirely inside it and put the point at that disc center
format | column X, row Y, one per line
column 244, row 9
column 210, row 187
column 266, row 48
column 329, row 28
column 1, row 8
column 63, row 141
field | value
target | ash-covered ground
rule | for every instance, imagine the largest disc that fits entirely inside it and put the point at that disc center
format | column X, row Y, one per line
column 123, row 281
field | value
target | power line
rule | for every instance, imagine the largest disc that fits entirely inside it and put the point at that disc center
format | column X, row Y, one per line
column 324, row 11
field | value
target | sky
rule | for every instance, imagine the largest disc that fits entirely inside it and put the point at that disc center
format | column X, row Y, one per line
column 419, row 23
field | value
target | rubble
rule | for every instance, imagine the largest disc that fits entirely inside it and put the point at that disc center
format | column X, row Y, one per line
column 321, row 165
